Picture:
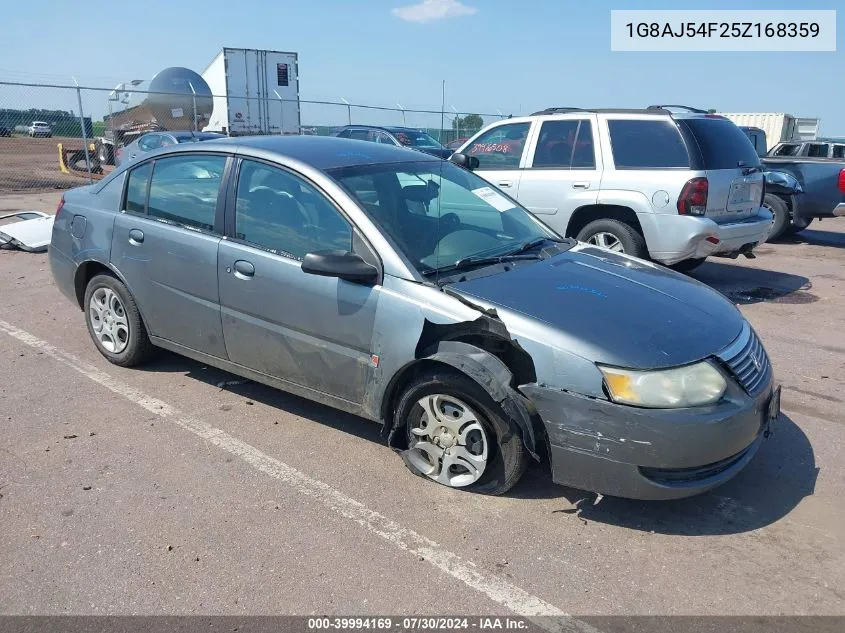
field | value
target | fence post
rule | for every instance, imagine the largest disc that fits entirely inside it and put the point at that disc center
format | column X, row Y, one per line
column 281, row 113
column 84, row 132
column 193, row 105
column 348, row 110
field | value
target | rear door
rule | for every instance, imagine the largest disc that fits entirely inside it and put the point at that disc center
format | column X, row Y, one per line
column 562, row 171
column 500, row 151
column 727, row 158
column 165, row 243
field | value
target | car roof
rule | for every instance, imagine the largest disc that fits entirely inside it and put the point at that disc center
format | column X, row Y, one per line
column 387, row 128
column 319, row 152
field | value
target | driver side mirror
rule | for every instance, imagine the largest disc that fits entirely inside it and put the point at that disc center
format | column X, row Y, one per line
column 465, row 161
column 341, row 264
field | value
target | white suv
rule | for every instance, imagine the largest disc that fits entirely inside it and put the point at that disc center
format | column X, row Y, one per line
column 40, row 128
column 673, row 187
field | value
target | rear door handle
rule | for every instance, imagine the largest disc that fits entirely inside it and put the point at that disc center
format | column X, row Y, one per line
column 505, row 183
column 244, row 269
column 581, row 184
column 136, row 236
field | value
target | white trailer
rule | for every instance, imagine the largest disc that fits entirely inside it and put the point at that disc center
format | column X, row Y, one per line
column 777, row 126
column 255, row 92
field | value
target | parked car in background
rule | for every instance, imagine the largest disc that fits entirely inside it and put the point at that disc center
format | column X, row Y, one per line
column 404, row 289
column 40, row 128
column 673, row 187
column 800, row 189
column 453, row 145
column 5, row 130
column 154, row 140
column 818, row 148
column 397, row 136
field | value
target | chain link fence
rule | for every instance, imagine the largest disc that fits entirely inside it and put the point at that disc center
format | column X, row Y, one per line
column 58, row 136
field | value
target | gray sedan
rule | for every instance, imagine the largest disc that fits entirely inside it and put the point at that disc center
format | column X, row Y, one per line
column 155, row 140
column 407, row 290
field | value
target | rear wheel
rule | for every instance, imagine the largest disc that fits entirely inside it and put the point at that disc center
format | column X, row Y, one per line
column 614, row 235
column 780, row 211
column 114, row 322
column 459, row 436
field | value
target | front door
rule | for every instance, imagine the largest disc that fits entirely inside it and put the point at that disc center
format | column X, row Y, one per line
column 310, row 330
column 165, row 245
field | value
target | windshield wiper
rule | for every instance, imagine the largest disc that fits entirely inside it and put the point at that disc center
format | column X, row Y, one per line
column 527, row 246
column 468, row 262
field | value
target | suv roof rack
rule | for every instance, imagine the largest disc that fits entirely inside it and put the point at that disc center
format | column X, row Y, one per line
column 556, row 110
column 678, row 107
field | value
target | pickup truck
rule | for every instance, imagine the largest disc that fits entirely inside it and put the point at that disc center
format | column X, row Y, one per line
column 823, row 183
column 800, row 186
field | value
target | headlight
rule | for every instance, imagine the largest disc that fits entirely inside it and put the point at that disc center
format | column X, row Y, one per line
column 689, row 386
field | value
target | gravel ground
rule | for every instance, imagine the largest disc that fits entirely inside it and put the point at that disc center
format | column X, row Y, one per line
column 154, row 490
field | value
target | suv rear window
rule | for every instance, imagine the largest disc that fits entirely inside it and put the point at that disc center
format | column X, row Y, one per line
column 722, row 144
column 647, row 144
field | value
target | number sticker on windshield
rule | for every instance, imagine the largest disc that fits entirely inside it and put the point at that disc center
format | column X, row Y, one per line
column 494, row 199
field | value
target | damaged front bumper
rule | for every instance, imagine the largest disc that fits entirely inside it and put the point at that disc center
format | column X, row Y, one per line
column 638, row 453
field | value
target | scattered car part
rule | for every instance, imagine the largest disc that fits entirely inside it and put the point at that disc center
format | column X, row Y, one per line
column 30, row 233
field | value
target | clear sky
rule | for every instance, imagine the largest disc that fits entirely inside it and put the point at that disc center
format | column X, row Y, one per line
column 510, row 55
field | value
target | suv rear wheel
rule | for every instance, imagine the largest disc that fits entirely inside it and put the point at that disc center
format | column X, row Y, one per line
column 614, row 235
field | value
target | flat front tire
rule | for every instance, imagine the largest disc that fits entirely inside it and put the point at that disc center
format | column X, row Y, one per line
column 114, row 322
column 458, row 436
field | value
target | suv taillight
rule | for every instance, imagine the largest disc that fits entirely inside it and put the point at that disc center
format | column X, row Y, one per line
column 693, row 198
column 60, row 207
column 842, row 180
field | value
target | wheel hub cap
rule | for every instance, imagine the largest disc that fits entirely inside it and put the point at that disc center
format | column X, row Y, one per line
column 108, row 320
column 448, row 442
column 606, row 240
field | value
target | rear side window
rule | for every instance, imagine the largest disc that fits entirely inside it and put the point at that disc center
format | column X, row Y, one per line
column 647, row 144
column 136, row 188
column 721, row 143
column 787, row 149
column 565, row 145
column 184, row 190
column 839, row 151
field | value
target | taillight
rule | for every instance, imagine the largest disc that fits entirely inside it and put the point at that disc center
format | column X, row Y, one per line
column 60, row 207
column 693, row 198
column 842, row 180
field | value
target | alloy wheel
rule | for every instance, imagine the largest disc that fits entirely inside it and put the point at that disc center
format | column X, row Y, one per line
column 108, row 320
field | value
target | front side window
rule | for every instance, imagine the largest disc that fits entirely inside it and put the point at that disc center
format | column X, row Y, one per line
column 136, row 188
column 501, row 147
column 817, row 150
column 184, row 190
column 565, row 145
column 646, row 144
column 437, row 213
column 282, row 213
column 410, row 138
column 839, row 151
column 150, row 142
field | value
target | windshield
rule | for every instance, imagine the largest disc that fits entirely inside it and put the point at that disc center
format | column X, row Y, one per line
column 438, row 214
column 416, row 139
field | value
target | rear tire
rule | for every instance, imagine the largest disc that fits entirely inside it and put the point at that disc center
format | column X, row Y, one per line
column 453, row 393
column 688, row 265
column 780, row 211
column 114, row 322
column 628, row 239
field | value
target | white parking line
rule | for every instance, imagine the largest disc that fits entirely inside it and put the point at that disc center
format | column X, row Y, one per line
column 514, row 598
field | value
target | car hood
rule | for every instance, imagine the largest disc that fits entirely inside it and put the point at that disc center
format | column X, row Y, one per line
column 610, row 308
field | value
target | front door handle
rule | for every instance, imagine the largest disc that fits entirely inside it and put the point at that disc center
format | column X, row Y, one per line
column 244, row 269
column 136, row 236
column 581, row 184
column 505, row 183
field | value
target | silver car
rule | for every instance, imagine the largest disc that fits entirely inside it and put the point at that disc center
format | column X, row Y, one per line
column 403, row 288
column 673, row 187
column 154, row 140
